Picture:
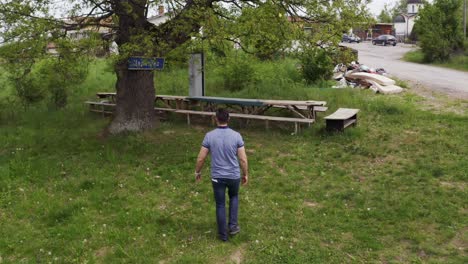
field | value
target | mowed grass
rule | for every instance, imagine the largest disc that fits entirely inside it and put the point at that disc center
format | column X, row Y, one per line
column 391, row 190
column 458, row 62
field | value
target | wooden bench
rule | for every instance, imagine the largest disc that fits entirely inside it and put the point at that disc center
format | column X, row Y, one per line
column 296, row 121
column 103, row 108
column 320, row 109
column 301, row 107
column 342, row 118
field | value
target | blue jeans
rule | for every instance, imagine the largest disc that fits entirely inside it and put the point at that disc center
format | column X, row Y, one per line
column 219, row 189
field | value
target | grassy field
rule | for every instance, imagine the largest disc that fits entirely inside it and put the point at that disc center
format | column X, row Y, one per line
column 458, row 62
column 391, row 190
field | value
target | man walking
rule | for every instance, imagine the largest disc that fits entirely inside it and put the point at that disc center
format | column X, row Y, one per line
column 225, row 146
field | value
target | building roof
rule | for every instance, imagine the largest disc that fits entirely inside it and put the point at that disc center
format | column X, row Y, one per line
column 399, row 19
column 415, row 2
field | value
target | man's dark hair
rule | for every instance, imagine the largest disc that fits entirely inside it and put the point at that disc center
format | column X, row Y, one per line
column 222, row 116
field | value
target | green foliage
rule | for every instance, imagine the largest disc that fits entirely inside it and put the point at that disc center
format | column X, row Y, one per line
column 465, row 45
column 439, row 31
column 400, row 7
column 36, row 74
column 69, row 195
column 385, row 15
column 343, row 54
column 238, row 72
column 416, row 56
column 259, row 36
column 457, row 62
column 59, row 75
column 316, row 65
column 50, row 78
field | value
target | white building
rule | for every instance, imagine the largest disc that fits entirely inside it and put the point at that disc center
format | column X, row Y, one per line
column 404, row 23
column 160, row 18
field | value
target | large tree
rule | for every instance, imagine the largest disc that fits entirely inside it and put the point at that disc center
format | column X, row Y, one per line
column 258, row 26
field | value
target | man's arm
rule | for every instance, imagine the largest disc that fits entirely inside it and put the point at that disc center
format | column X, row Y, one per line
column 243, row 164
column 200, row 161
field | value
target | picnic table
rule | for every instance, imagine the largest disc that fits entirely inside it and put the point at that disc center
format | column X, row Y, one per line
column 300, row 109
column 256, row 109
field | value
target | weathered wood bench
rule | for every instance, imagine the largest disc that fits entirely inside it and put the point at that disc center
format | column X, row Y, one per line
column 103, row 108
column 342, row 118
column 316, row 109
column 296, row 121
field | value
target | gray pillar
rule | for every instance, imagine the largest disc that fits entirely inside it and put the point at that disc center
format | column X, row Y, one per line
column 197, row 74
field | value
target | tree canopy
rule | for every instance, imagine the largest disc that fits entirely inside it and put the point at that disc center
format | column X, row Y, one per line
column 386, row 15
column 258, row 27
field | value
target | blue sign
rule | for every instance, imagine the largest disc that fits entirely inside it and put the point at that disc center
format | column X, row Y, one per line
column 140, row 63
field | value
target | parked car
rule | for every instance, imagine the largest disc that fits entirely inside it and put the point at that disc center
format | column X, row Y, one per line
column 385, row 40
column 350, row 38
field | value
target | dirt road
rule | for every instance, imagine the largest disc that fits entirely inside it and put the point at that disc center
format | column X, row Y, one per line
column 451, row 82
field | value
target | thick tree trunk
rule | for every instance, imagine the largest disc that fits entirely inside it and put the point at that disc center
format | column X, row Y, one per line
column 135, row 100
column 135, row 88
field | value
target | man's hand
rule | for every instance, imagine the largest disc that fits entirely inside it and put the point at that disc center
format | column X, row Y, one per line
column 200, row 161
column 245, row 179
column 197, row 176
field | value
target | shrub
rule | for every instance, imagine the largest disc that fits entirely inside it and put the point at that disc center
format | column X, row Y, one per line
column 316, row 65
column 344, row 55
column 438, row 28
column 58, row 75
column 29, row 89
column 466, row 47
column 238, row 72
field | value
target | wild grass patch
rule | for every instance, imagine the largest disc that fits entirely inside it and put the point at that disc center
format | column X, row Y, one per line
column 391, row 189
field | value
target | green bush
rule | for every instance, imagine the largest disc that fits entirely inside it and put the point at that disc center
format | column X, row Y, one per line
column 439, row 31
column 58, row 75
column 466, row 47
column 29, row 88
column 316, row 65
column 344, row 55
column 238, row 72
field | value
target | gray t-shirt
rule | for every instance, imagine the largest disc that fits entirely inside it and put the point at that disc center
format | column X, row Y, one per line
column 223, row 143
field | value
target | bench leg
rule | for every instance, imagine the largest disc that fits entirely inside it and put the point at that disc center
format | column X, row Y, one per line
column 267, row 125
column 335, row 125
column 296, row 128
column 188, row 119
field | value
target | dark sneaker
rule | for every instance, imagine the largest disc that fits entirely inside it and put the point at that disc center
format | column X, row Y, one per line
column 234, row 230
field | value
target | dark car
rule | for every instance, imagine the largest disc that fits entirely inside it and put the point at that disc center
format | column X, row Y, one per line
column 350, row 38
column 384, row 40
